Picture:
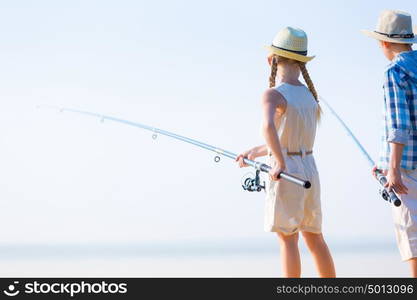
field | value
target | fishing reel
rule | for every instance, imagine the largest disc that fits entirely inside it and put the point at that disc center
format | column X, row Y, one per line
column 251, row 184
column 385, row 195
column 388, row 195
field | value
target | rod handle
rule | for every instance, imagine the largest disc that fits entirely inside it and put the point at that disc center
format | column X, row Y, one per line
column 304, row 183
column 291, row 178
column 392, row 195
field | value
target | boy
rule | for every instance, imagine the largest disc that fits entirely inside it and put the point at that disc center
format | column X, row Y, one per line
column 398, row 158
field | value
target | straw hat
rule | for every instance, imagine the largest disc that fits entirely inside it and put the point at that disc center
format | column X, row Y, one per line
column 394, row 26
column 291, row 43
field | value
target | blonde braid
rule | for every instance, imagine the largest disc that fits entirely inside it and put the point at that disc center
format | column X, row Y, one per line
column 310, row 85
column 274, row 67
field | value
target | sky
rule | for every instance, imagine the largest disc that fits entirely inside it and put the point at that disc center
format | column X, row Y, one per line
column 197, row 68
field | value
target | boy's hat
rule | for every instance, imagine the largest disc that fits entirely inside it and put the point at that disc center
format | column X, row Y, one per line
column 395, row 27
column 290, row 43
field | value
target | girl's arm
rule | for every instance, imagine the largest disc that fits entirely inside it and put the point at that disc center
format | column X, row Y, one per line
column 273, row 102
column 254, row 152
column 259, row 151
column 251, row 154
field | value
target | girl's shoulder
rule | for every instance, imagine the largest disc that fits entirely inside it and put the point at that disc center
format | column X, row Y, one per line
column 289, row 91
column 284, row 87
column 297, row 95
column 273, row 100
column 273, row 95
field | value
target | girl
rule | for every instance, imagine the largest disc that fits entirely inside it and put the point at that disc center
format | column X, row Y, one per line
column 290, row 116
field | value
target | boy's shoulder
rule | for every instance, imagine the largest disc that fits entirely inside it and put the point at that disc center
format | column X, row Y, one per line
column 393, row 72
column 403, row 67
column 394, row 66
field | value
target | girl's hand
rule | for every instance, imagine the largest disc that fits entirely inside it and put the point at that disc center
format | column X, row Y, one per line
column 275, row 171
column 395, row 182
column 250, row 154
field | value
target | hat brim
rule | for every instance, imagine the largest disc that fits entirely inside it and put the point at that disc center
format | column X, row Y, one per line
column 289, row 54
column 382, row 37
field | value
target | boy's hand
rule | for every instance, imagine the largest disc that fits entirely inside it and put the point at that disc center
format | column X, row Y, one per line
column 395, row 182
column 375, row 168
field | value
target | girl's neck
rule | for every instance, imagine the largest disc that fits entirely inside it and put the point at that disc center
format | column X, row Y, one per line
column 289, row 74
column 293, row 80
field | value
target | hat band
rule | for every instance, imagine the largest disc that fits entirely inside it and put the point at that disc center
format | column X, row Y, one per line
column 397, row 35
column 297, row 52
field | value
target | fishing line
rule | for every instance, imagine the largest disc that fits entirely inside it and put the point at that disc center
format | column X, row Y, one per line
column 252, row 184
column 388, row 195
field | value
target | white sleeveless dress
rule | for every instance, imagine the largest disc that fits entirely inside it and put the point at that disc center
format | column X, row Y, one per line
column 289, row 207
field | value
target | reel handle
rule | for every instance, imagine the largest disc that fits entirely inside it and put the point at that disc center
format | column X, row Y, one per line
column 265, row 168
column 253, row 184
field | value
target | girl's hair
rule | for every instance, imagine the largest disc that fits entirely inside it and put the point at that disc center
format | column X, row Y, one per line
column 274, row 68
column 304, row 72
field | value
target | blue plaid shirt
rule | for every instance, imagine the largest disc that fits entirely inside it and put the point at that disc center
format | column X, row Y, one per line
column 400, row 110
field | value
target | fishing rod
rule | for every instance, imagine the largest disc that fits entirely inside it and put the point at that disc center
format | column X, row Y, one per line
column 387, row 195
column 250, row 184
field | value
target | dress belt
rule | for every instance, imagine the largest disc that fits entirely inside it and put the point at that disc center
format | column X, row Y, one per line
column 300, row 153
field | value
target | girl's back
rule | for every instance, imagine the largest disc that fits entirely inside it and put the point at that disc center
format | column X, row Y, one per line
column 297, row 126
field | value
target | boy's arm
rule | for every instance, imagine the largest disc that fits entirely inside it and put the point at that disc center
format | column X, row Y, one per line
column 398, row 125
column 397, row 111
column 394, row 170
